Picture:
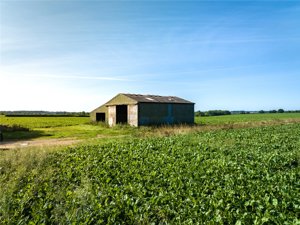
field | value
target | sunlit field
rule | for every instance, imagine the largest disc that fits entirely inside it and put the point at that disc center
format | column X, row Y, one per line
column 238, row 169
column 42, row 122
column 248, row 118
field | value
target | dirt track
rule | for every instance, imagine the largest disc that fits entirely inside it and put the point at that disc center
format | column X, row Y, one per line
column 36, row 143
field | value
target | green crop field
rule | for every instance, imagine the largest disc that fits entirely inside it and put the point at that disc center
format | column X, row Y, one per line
column 42, row 122
column 248, row 118
column 48, row 122
column 23, row 128
column 207, row 174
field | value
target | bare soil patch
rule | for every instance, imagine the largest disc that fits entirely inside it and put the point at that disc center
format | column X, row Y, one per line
column 37, row 143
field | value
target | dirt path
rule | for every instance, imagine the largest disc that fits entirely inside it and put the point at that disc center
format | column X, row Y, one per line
column 36, row 143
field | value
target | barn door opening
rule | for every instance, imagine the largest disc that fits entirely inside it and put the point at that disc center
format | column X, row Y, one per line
column 100, row 117
column 122, row 114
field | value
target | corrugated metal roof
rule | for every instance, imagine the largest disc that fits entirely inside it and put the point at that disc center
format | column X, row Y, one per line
column 157, row 99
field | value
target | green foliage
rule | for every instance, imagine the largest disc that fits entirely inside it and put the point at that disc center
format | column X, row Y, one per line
column 199, row 113
column 273, row 111
column 213, row 113
column 238, row 176
column 217, row 112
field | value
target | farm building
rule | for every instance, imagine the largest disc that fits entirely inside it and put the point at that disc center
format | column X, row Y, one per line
column 137, row 110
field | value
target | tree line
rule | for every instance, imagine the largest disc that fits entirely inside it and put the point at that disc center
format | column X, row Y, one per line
column 44, row 114
column 213, row 113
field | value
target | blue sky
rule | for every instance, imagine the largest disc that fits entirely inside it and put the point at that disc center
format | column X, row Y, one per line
column 75, row 55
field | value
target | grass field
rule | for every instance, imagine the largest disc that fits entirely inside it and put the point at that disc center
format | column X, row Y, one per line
column 43, row 122
column 248, row 118
column 81, row 128
column 50, row 122
column 240, row 169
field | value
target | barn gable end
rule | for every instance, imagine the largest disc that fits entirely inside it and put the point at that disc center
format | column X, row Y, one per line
column 99, row 114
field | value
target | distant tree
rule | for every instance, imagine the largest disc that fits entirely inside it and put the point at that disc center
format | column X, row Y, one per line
column 261, row 111
column 218, row 112
column 280, row 111
column 199, row 113
column 272, row 111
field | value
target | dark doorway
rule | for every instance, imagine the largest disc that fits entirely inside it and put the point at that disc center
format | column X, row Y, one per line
column 121, row 114
column 100, row 117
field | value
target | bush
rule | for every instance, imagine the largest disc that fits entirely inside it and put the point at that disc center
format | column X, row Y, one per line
column 218, row 112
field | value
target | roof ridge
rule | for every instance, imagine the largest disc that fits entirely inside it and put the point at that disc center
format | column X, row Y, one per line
column 155, row 98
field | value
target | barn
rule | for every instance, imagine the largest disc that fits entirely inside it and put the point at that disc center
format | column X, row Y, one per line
column 138, row 110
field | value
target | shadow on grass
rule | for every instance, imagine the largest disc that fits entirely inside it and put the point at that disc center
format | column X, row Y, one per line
column 16, row 133
column 22, row 135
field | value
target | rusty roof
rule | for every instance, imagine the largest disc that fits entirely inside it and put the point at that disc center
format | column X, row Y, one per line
column 157, row 99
